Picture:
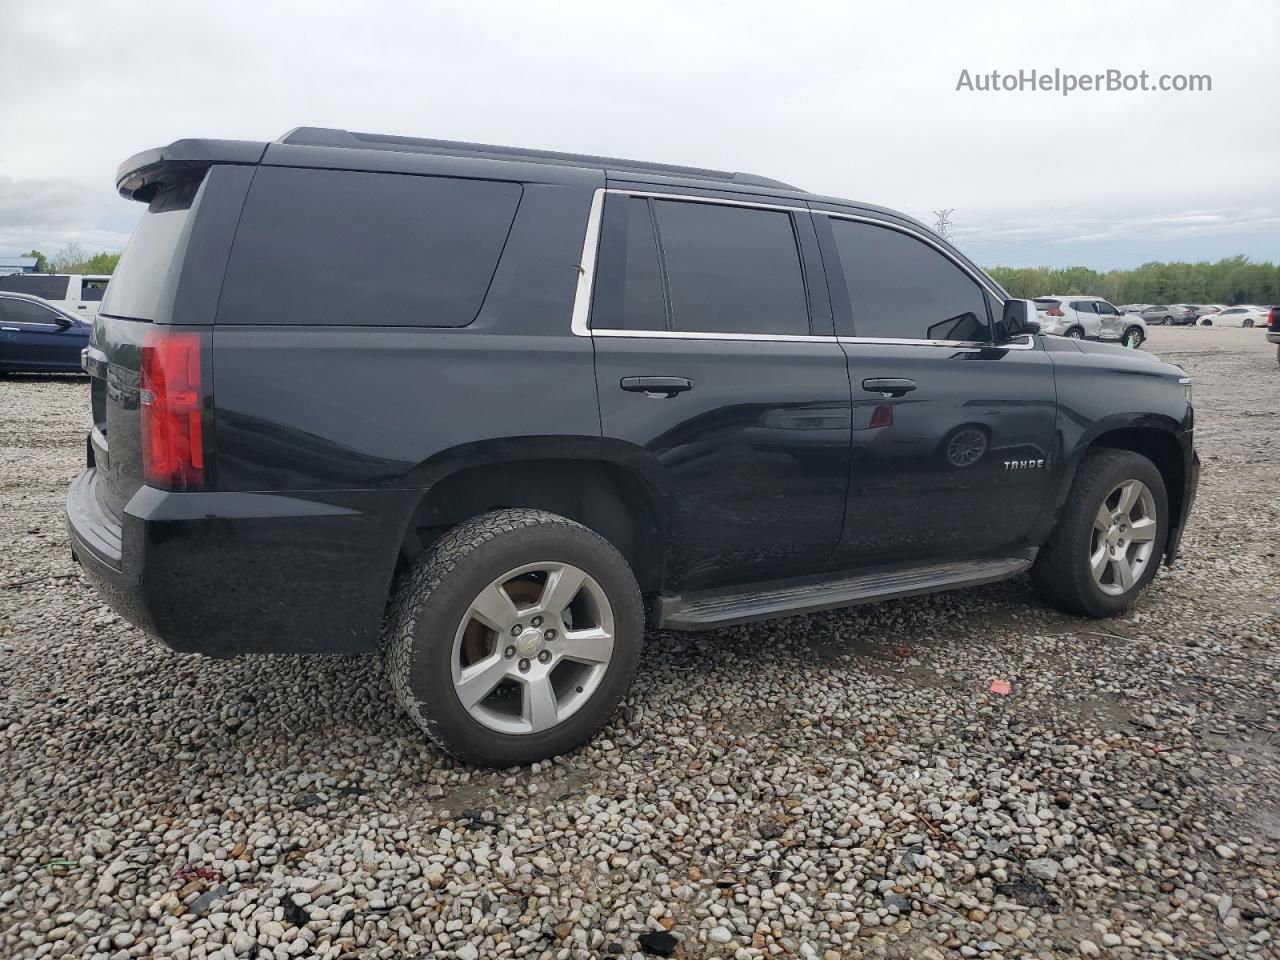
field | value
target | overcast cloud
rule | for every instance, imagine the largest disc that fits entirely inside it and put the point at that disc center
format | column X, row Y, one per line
column 851, row 99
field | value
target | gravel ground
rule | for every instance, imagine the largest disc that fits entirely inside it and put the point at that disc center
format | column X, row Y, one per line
column 840, row 785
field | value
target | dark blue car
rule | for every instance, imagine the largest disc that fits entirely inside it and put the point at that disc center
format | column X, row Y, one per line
column 37, row 337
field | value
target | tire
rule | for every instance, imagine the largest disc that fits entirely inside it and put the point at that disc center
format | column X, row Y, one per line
column 1063, row 571
column 1076, row 333
column 1132, row 338
column 427, row 638
column 1247, row 323
column 1206, row 323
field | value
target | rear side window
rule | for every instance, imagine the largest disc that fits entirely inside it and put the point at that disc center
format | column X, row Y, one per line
column 36, row 285
column 146, row 274
column 731, row 269
column 628, row 292
column 902, row 288
column 342, row 248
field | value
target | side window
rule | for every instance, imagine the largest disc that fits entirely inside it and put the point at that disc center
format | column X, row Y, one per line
column 340, row 247
column 902, row 288
column 24, row 311
column 92, row 290
column 1083, row 306
column 36, row 285
column 731, row 269
column 1105, row 308
column 628, row 294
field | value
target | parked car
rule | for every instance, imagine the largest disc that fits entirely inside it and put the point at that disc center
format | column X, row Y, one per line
column 38, row 337
column 1089, row 318
column 77, row 294
column 1170, row 314
column 1209, row 309
column 1244, row 315
column 1132, row 307
column 341, row 376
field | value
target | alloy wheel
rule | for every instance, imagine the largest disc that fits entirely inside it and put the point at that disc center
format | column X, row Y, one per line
column 1123, row 541
column 532, row 648
column 966, row 447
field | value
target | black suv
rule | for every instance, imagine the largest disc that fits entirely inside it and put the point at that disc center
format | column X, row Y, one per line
column 491, row 409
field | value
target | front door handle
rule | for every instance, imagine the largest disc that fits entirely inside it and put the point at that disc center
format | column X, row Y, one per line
column 656, row 386
column 889, row 386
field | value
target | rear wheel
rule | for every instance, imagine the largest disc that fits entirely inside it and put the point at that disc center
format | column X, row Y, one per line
column 1076, row 333
column 514, row 638
column 1107, row 545
column 1248, row 323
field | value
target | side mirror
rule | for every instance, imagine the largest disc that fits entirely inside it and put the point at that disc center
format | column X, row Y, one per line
column 1018, row 319
column 61, row 321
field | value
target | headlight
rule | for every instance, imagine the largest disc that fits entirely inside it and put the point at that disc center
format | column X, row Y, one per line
column 1186, row 388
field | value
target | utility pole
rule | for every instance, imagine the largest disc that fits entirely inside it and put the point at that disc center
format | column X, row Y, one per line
column 942, row 226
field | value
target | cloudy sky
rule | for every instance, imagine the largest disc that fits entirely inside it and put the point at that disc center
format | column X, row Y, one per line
column 854, row 99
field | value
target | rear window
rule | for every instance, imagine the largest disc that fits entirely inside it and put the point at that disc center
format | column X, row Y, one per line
column 341, row 248
column 1046, row 303
column 36, row 285
column 145, row 276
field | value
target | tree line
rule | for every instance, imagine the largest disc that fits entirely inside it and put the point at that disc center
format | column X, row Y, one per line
column 73, row 259
column 1230, row 281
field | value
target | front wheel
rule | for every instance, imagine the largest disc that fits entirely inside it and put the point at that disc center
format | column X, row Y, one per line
column 1248, row 323
column 1107, row 544
column 1132, row 338
column 514, row 637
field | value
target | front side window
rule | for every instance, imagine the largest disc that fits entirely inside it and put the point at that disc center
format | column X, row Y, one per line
column 903, row 288
column 1106, row 309
column 24, row 311
column 731, row 269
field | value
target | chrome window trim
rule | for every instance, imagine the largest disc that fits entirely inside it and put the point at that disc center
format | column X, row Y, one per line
column 580, row 322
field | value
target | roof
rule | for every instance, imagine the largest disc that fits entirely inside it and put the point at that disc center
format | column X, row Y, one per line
column 27, row 263
column 328, row 137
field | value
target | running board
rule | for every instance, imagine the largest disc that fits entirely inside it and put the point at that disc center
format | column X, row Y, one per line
column 705, row 611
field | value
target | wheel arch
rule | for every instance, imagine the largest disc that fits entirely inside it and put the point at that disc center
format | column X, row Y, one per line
column 1156, row 438
column 611, row 498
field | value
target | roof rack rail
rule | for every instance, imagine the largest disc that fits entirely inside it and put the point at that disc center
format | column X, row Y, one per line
column 327, row 137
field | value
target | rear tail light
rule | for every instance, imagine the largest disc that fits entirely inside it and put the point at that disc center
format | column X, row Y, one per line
column 1054, row 312
column 1273, row 320
column 173, row 455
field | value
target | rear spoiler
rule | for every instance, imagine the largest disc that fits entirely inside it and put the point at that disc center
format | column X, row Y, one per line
column 143, row 174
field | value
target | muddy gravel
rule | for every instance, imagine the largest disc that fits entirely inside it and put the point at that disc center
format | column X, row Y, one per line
column 840, row 785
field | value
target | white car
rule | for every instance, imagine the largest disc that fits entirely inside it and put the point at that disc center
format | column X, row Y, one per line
column 1089, row 318
column 1245, row 315
column 78, row 294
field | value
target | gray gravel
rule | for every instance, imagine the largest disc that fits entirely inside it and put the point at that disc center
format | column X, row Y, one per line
column 842, row 785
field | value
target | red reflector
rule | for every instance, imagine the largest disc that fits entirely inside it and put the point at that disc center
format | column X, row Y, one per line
column 1054, row 312
column 172, row 421
column 882, row 415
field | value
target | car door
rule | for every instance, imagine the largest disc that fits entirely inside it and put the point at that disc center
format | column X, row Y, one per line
column 1111, row 320
column 1087, row 314
column 721, row 381
column 954, row 435
column 37, row 337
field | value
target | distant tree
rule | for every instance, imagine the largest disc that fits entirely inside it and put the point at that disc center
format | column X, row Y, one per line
column 69, row 259
column 1233, row 280
column 102, row 263
column 42, row 262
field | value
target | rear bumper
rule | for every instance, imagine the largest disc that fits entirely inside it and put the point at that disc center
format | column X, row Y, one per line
column 230, row 573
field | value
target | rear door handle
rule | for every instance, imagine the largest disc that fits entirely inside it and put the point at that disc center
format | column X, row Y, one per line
column 889, row 386
column 656, row 386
